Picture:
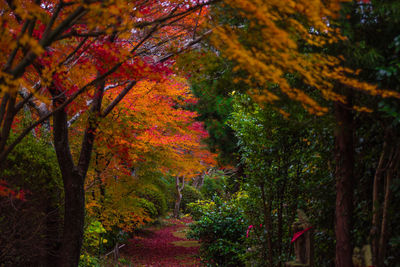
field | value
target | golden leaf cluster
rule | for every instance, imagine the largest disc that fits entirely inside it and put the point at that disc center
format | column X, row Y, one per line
column 268, row 48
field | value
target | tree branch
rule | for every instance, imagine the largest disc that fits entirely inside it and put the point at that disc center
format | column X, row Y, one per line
column 118, row 98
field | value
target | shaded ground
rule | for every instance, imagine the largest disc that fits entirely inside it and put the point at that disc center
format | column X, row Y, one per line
column 163, row 246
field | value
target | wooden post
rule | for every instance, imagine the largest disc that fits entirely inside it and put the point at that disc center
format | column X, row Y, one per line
column 116, row 253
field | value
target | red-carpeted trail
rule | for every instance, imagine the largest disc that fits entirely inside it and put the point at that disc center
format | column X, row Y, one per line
column 165, row 246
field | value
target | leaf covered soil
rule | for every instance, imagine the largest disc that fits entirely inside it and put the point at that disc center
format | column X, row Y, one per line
column 165, row 245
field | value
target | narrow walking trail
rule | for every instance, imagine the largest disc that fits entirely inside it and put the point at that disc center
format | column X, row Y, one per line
column 163, row 246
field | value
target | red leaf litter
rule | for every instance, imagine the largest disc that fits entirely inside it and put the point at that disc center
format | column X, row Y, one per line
column 154, row 247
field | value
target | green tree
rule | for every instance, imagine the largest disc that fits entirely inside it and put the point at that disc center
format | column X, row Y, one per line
column 287, row 165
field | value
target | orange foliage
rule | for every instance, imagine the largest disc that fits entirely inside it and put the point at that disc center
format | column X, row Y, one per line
column 151, row 125
column 272, row 49
column 57, row 49
column 148, row 132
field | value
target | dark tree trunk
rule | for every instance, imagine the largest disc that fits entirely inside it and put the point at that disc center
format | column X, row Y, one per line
column 376, row 204
column 52, row 234
column 74, row 209
column 344, row 156
column 8, row 120
column 74, row 178
column 267, row 224
column 74, row 217
column 384, row 232
column 280, row 226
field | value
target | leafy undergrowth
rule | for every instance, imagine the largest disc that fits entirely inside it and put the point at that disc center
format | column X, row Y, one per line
column 163, row 246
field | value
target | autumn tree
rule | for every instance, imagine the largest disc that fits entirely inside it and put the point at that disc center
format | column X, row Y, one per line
column 155, row 133
column 47, row 46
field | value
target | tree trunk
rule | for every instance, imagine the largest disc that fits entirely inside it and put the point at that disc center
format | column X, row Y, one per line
column 74, row 217
column 344, row 156
column 199, row 181
column 178, row 196
column 281, row 199
column 393, row 166
column 267, row 223
column 74, row 209
column 376, row 205
column 177, row 205
column 52, row 234
column 8, row 120
column 280, row 228
column 74, row 178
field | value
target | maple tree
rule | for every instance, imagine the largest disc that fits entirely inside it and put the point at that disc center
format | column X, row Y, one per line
column 48, row 46
column 282, row 38
column 153, row 134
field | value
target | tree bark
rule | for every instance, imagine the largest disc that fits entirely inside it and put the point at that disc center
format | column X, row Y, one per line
column 74, row 209
column 267, row 223
column 344, row 156
column 383, row 237
column 74, row 178
column 376, row 205
column 8, row 120
column 178, row 196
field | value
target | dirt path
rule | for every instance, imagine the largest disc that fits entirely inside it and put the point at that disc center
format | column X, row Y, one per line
column 165, row 246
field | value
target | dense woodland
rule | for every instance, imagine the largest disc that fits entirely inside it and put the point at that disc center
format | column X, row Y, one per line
column 263, row 122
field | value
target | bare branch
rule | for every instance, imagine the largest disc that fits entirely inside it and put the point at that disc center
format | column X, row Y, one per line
column 58, row 8
column 118, row 98
column 187, row 46
column 12, row 6
column 172, row 15
column 74, row 33
column 14, row 52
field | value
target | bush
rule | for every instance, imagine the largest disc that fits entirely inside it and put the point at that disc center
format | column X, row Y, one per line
column 200, row 207
column 148, row 207
column 93, row 238
column 189, row 195
column 212, row 187
column 155, row 196
column 221, row 229
column 29, row 224
column 87, row 260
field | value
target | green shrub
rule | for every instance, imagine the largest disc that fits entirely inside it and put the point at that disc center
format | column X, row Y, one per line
column 211, row 187
column 189, row 195
column 155, row 196
column 93, row 238
column 200, row 207
column 28, row 226
column 149, row 207
column 219, row 184
column 87, row 260
column 161, row 183
column 171, row 196
column 221, row 229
